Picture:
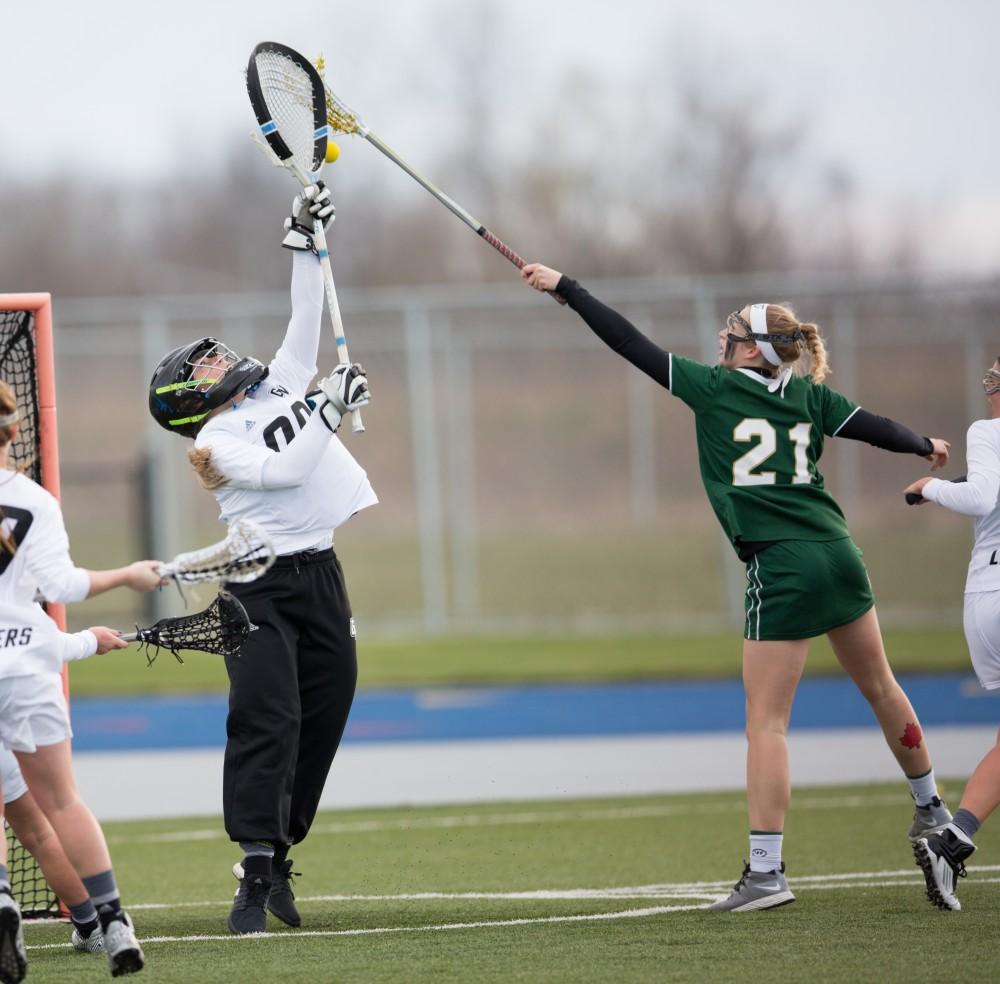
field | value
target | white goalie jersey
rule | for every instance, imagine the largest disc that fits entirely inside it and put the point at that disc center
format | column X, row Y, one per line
column 298, row 511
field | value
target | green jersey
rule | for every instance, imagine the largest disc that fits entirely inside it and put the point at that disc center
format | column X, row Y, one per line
column 759, row 441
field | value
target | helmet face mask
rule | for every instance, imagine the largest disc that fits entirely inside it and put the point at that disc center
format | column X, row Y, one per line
column 193, row 380
column 209, row 366
column 991, row 381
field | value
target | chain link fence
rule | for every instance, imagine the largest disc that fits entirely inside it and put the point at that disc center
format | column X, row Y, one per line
column 530, row 480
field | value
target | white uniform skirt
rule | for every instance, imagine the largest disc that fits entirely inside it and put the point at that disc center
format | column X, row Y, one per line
column 981, row 619
column 14, row 786
column 33, row 712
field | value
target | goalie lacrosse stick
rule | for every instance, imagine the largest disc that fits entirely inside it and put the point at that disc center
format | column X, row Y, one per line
column 245, row 553
column 220, row 629
column 287, row 96
column 343, row 119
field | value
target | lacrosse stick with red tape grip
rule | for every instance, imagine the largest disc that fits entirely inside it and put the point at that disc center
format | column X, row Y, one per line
column 343, row 119
column 288, row 99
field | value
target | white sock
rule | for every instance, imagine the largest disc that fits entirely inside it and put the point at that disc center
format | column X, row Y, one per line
column 765, row 851
column 923, row 788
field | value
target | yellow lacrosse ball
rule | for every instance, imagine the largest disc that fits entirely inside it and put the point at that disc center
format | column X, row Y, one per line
column 332, row 152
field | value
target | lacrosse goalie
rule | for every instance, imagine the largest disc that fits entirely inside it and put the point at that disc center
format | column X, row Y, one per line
column 269, row 453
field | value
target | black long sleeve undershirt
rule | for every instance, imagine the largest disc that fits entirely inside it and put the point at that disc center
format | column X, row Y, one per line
column 619, row 334
column 884, row 433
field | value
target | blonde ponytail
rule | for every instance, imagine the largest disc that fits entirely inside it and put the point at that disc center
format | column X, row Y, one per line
column 781, row 320
column 819, row 367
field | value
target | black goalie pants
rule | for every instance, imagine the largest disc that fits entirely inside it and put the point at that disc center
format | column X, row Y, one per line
column 290, row 692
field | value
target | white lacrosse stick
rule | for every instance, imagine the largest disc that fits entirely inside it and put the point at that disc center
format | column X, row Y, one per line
column 288, row 99
column 245, row 553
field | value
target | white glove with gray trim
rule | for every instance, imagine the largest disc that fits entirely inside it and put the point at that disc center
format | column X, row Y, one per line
column 310, row 204
column 345, row 389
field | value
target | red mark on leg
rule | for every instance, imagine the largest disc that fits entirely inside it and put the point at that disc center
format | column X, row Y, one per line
column 912, row 736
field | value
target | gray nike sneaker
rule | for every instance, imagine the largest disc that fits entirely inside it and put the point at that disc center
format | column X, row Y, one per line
column 942, row 859
column 930, row 819
column 756, row 890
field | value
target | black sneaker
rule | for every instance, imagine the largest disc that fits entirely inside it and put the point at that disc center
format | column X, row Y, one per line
column 282, row 900
column 942, row 858
column 249, row 912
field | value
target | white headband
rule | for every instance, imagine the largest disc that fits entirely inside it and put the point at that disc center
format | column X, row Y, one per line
column 9, row 418
column 758, row 325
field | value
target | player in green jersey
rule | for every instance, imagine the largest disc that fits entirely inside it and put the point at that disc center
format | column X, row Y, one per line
column 761, row 427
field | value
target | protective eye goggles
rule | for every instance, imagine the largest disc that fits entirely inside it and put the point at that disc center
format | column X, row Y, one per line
column 991, row 382
column 739, row 330
column 764, row 339
column 736, row 322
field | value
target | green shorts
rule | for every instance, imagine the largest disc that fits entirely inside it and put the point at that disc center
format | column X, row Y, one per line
column 799, row 589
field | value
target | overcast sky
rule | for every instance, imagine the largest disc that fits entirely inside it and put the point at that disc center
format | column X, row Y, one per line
column 904, row 91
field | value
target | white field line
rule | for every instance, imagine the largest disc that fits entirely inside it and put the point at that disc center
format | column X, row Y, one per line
column 668, row 890
column 526, row 817
column 229, row 937
column 489, row 924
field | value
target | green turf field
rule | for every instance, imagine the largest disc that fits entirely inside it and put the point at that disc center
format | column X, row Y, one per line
column 511, row 659
column 597, row 890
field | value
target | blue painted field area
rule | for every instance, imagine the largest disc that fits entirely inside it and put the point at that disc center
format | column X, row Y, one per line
column 470, row 713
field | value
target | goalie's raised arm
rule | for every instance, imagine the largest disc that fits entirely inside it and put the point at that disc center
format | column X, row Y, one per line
column 294, row 364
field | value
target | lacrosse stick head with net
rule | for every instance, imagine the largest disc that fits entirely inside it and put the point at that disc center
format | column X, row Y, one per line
column 339, row 115
column 220, row 629
column 288, row 99
column 245, row 554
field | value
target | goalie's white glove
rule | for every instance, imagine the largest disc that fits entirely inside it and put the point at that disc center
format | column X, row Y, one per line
column 310, row 204
column 344, row 390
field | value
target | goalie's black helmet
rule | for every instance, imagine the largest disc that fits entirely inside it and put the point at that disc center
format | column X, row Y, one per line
column 186, row 387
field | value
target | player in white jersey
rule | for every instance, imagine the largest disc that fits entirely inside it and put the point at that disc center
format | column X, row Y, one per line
column 34, row 724
column 942, row 855
column 268, row 457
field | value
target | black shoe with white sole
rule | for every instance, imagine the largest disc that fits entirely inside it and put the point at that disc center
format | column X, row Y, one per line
column 942, row 857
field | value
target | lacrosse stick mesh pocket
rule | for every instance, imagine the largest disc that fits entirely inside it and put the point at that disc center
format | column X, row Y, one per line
column 220, row 629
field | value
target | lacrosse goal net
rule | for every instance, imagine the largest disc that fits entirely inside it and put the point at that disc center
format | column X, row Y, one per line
column 27, row 366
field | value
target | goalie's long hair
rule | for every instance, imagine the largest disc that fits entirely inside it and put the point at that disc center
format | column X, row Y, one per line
column 201, row 461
